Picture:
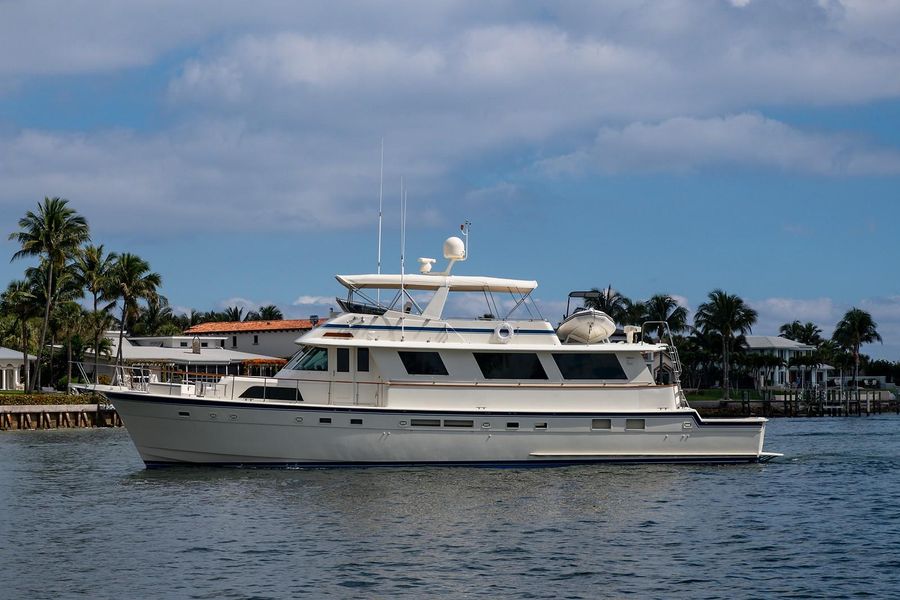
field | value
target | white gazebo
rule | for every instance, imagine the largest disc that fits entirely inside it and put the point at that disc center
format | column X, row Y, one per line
column 11, row 365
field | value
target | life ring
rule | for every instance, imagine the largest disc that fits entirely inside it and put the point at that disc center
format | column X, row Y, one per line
column 504, row 332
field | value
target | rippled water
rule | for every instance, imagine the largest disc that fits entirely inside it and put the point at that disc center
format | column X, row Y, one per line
column 81, row 517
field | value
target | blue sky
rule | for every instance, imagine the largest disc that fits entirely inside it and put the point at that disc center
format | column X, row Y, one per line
column 671, row 146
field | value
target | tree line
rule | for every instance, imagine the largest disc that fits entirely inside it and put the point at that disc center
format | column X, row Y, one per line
column 120, row 290
column 715, row 343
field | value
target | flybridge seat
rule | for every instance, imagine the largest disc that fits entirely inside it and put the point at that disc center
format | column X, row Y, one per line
column 455, row 283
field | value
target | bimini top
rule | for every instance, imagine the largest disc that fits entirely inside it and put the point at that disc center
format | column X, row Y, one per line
column 456, row 283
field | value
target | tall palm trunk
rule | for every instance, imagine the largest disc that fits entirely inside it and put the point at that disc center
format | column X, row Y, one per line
column 69, row 363
column 121, row 334
column 40, row 354
column 25, row 350
column 725, row 368
column 96, row 341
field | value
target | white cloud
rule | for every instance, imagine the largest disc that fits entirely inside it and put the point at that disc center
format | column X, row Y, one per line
column 745, row 140
column 278, row 108
column 313, row 300
column 792, row 309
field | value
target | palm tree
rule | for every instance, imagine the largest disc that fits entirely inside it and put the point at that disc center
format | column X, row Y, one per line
column 65, row 288
column 662, row 307
column 633, row 311
column 265, row 313
column 609, row 301
column 54, row 233
column 69, row 316
column 19, row 300
column 233, row 313
column 725, row 315
column 854, row 330
column 92, row 269
column 155, row 317
column 131, row 282
column 805, row 333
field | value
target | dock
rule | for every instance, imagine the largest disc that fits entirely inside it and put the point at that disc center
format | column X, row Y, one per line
column 57, row 416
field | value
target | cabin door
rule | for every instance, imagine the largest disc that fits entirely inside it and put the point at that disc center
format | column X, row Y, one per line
column 343, row 384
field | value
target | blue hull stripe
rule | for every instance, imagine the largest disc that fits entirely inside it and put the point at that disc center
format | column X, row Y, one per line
column 183, row 401
column 437, row 329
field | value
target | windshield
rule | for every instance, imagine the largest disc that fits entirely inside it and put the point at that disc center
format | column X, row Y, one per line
column 310, row 358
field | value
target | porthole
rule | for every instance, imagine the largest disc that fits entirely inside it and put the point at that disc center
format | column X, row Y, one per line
column 298, row 419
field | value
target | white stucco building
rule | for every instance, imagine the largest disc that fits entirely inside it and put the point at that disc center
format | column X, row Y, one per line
column 12, row 367
column 271, row 338
column 185, row 354
column 787, row 349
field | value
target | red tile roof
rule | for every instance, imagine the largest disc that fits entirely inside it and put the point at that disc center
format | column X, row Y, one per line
column 246, row 326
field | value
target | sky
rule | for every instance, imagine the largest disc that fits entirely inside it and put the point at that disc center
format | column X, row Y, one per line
column 671, row 146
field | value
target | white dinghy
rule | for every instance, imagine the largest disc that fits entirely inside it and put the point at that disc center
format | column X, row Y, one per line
column 586, row 326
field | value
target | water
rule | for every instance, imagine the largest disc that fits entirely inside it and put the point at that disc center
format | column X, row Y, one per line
column 82, row 518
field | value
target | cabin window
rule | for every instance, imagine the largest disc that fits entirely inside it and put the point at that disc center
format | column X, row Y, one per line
column 510, row 365
column 362, row 360
column 512, row 425
column 541, row 425
column 423, row 363
column 589, row 365
column 356, row 421
column 256, row 340
column 425, row 422
column 325, row 420
column 184, row 344
column 234, row 341
column 272, row 393
column 343, row 360
column 204, row 344
column 458, row 423
column 635, row 424
column 601, row 424
column 312, row 359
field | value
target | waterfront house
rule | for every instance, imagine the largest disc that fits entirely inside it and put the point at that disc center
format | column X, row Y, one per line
column 177, row 356
column 787, row 374
column 12, row 369
column 271, row 338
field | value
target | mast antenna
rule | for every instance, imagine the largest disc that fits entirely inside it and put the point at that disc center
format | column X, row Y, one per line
column 380, row 214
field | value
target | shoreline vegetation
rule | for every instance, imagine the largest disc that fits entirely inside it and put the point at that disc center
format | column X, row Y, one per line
column 78, row 290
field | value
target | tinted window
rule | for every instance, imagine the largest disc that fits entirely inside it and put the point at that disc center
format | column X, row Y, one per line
column 589, row 366
column 272, row 393
column 423, row 363
column 508, row 365
column 312, row 359
column 343, row 359
column 362, row 360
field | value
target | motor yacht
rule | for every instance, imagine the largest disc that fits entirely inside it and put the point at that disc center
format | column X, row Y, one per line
column 399, row 382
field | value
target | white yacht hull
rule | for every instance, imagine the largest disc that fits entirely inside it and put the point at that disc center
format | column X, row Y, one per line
column 176, row 430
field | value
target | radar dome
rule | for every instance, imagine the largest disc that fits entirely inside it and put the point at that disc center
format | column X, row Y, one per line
column 454, row 249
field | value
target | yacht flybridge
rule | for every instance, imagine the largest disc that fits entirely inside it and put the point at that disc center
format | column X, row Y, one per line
column 399, row 382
